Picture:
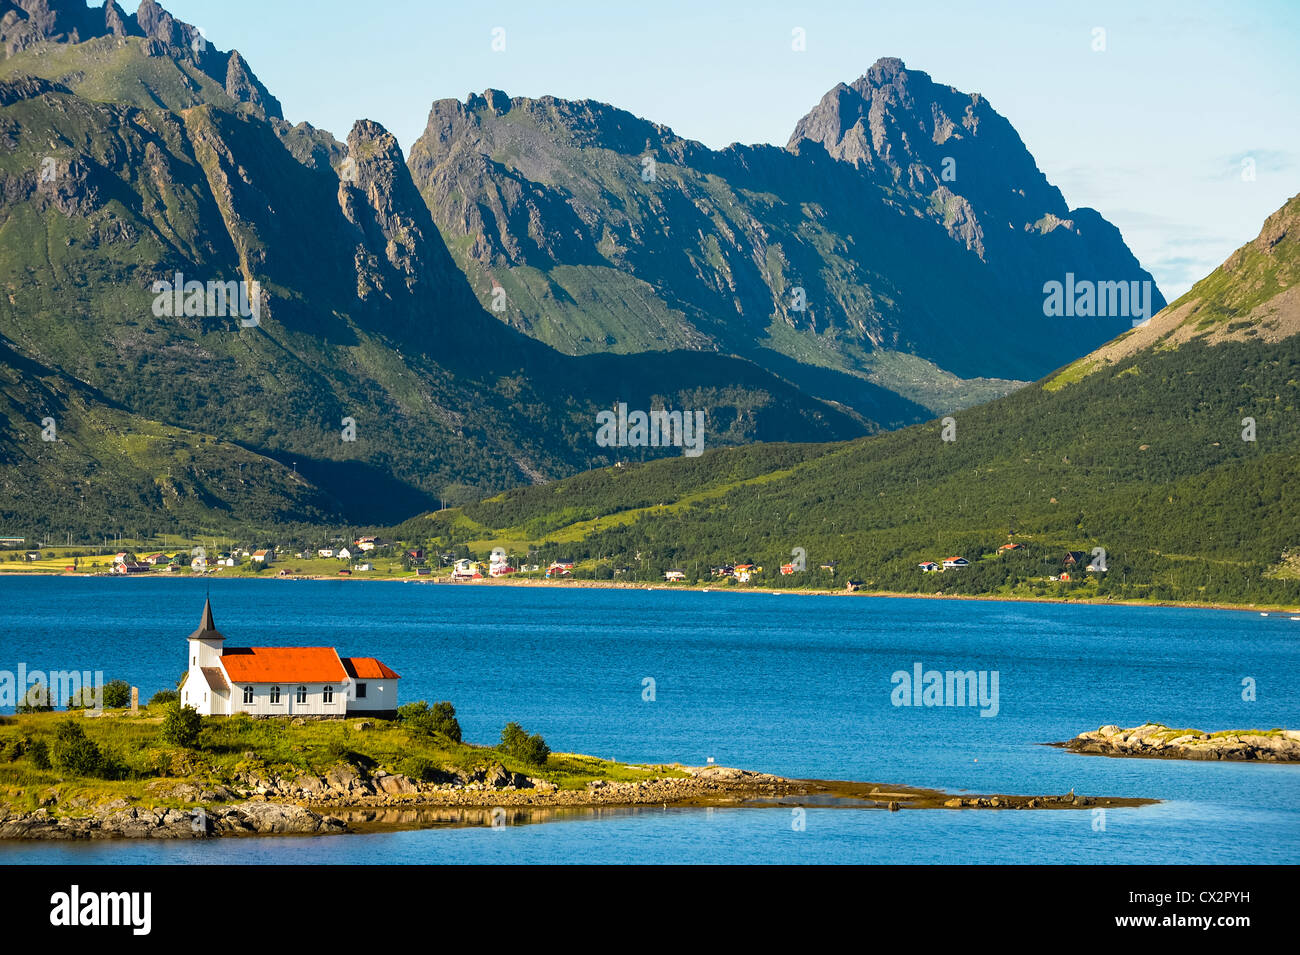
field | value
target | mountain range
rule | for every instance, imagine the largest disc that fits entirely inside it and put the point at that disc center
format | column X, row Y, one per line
column 134, row 152
column 1170, row 454
column 437, row 327
column 892, row 256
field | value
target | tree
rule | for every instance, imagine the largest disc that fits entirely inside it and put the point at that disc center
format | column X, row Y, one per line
column 516, row 742
column 181, row 725
column 117, row 694
column 163, row 697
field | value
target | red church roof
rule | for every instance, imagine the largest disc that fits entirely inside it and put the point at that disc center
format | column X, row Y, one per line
column 283, row 665
column 367, row 668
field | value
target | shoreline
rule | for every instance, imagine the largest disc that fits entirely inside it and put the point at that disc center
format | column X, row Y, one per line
column 697, row 588
column 706, row 787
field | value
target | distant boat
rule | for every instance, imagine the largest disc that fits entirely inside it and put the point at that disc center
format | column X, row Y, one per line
column 1295, row 618
column 1263, row 615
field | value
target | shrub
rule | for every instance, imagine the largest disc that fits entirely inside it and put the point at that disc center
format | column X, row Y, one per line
column 117, row 694
column 74, row 753
column 35, row 700
column 12, row 749
column 39, row 753
column 181, row 725
column 427, row 720
column 163, row 697
column 420, row 769
column 408, row 711
column 516, row 742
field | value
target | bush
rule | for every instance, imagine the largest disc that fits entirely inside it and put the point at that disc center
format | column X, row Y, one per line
column 163, row 697
column 181, row 726
column 75, row 754
column 420, row 769
column 516, row 742
column 35, row 700
column 39, row 753
column 117, row 694
column 12, row 749
column 408, row 711
column 421, row 718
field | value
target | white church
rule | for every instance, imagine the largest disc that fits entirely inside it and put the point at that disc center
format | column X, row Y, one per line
column 282, row 681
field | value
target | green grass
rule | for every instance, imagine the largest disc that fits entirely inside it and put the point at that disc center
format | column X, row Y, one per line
column 265, row 747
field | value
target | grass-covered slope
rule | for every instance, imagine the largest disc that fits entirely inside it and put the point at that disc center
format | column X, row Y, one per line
column 1138, row 450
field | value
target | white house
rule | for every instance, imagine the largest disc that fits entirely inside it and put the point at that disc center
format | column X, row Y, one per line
column 282, row 681
column 950, row 563
column 344, row 554
column 326, row 552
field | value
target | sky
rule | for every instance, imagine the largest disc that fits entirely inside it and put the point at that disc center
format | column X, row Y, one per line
column 1178, row 121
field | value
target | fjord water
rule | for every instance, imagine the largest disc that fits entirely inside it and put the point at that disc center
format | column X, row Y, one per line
column 790, row 684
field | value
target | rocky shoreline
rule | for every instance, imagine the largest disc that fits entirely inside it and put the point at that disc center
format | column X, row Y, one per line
column 1157, row 741
column 344, row 800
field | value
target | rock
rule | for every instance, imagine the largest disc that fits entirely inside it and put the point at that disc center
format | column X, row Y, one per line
column 498, row 777
column 952, row 803
column 893, row 806
column 362, row 725
column 397, row 784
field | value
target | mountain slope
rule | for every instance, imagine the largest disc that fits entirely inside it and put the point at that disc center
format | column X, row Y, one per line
column 118, row 182
column 901, row 240
column 1175, row 449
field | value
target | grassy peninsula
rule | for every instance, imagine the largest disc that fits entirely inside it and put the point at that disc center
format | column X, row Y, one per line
column 75, row 776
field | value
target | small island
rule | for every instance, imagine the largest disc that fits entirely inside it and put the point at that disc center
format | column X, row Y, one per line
column 165, row 772
column 1157, row 741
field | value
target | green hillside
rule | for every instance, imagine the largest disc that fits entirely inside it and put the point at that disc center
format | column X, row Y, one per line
column 1137, row 450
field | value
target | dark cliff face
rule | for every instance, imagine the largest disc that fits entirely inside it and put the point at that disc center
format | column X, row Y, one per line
column 911, row 216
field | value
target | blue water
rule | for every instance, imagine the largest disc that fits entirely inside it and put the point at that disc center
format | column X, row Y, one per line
column 789, row 684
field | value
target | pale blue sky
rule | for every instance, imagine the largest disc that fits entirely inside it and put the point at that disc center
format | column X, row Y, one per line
column 1151, row 132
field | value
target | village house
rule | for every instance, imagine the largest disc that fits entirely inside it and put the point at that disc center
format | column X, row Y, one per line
column 282, row 681
column 673, row 576
column 950, row 563
column 1006, row 547
column 466, row 569
column 325, row 552
column 560, row 568
column 344, row 554
column 787, row 570
column 928, row 566
column 263, row 556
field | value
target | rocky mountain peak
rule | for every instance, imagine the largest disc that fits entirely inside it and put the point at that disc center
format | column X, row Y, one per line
column 26, row 23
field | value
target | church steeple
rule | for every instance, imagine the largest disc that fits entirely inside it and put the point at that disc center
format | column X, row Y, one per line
column 207, row 627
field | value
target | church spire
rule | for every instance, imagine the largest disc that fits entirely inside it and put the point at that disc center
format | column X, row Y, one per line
column 207, row 627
